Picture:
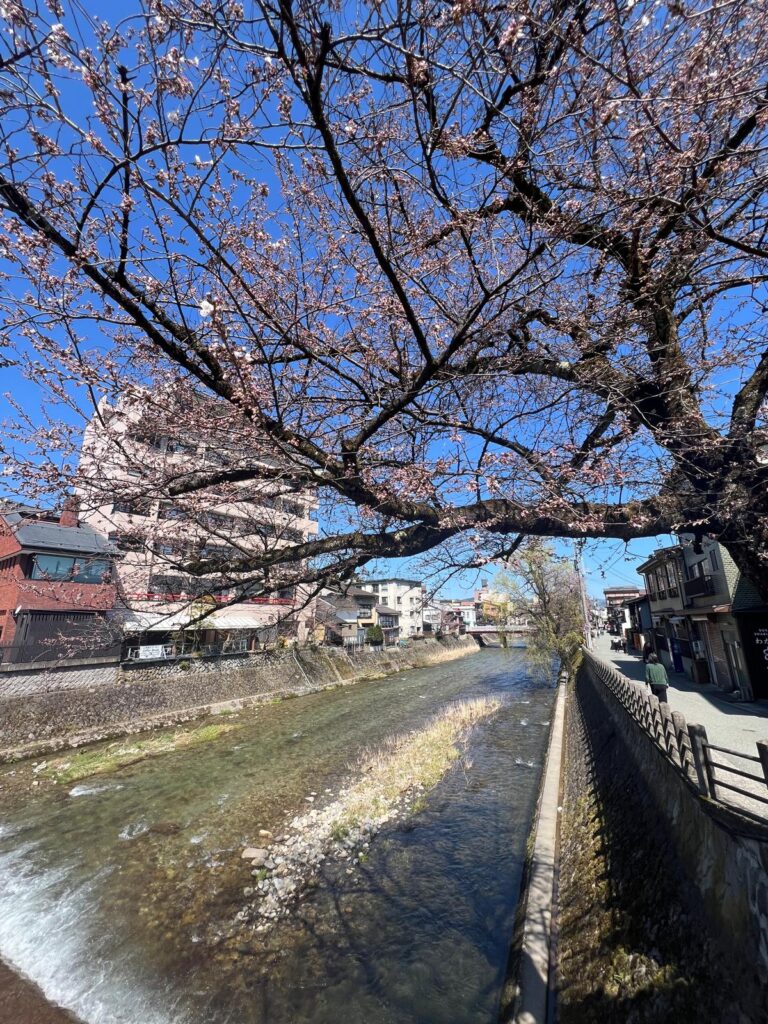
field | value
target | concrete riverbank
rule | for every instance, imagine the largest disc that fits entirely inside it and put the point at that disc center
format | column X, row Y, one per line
column 43, row 710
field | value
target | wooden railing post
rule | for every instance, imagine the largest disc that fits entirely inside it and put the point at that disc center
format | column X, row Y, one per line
column 670, row 733
column 704, row 773
column 683, row 742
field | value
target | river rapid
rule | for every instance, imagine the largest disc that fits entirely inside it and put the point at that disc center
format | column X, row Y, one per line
column 119, row 895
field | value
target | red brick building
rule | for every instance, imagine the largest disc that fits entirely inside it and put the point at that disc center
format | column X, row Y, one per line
column 55, row 583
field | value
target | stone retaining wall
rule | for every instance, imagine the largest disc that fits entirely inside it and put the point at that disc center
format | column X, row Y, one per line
column 67, row 706
column 721, row 857
column 47, row 678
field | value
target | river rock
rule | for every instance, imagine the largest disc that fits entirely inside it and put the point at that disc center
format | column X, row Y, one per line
column 255, row 855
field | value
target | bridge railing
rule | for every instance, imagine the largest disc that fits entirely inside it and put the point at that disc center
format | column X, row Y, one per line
column 727, row 777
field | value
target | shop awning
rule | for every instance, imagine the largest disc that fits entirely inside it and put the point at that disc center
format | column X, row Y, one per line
column 234, row 617
column 146, row 622
column 240, row 617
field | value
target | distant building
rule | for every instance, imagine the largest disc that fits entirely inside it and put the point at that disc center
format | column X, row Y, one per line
column 404, row 596
column 56, row 586
column 640, row 630
column 615, row 597
column 345, row 616
column 128, row 457
column 432, row 616
column 459, row 610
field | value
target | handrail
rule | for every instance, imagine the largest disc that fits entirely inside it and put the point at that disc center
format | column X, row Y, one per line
column 686, row 745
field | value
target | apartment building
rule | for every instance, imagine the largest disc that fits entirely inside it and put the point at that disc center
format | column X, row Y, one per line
column 181, row 570
column 405, row 597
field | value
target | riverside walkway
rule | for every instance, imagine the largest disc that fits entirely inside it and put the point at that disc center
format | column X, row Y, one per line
column 729, row 723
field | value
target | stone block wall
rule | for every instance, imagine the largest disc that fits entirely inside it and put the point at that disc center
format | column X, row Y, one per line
column 47, row 677
column 43, row 709
column 721, row 856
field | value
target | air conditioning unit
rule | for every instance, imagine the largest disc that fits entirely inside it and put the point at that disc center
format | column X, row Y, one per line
column 698, row 648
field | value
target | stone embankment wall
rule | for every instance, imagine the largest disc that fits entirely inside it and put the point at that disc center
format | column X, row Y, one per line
column 66, row 704
column 709, row 859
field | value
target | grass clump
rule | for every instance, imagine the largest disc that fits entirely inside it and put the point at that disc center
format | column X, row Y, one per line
column 99, row 760
column 413, row 763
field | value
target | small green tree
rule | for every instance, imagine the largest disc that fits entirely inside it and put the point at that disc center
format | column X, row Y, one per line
column 549, row 589
column 374, row 635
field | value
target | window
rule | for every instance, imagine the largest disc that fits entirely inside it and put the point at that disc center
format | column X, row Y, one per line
column 126, row 541
column 221, row 522
column 293, row 507
column 65, row 567
column 168, row 549
column 218, row 551
column 166, row 584
column 134, row 506
column 671, row 579
column 713, row 559
column 148, row 438
column 173, row 512
column 651, row 584
column 176, row 447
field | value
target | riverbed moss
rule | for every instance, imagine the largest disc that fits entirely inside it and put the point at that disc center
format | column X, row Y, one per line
column 101, row 759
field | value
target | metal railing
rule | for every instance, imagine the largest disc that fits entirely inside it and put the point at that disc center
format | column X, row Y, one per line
column 699, row 586
column 725, row 776
column 176, row 652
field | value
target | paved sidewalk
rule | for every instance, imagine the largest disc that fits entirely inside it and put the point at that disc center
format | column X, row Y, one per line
column 728, row 723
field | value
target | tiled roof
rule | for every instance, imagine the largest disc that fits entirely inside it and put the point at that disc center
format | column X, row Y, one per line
column 52, row 537
column 745, row 596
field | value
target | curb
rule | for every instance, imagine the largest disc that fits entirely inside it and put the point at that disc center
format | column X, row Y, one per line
column 535, row 1001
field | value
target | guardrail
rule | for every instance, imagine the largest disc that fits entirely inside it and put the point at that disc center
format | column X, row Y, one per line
column 687, row 746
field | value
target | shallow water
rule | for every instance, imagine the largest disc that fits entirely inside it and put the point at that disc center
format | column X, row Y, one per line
column 118, row 894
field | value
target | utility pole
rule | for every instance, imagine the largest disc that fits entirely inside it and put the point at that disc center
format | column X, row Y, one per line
column 579, row 570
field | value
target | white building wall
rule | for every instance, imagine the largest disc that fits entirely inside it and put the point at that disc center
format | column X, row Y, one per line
column 114, row 465
column 406, row 597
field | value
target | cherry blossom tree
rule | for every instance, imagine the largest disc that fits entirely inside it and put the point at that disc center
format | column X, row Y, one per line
column 548, row 587
column 472, row 270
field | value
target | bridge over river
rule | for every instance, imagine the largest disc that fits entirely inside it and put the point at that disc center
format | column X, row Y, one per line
column 500, row 636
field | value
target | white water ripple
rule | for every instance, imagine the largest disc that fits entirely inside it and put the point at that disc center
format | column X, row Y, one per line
column 51, row 930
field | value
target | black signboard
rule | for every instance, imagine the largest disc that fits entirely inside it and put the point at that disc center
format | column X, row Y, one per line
column 753, row 627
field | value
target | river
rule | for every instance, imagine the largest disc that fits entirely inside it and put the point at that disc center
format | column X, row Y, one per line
column 118, row 894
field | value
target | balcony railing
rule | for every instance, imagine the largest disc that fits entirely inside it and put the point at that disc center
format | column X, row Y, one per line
column 699, row 586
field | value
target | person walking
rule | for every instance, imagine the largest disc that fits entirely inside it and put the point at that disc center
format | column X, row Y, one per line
column 656, row 678
column 647, row 651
